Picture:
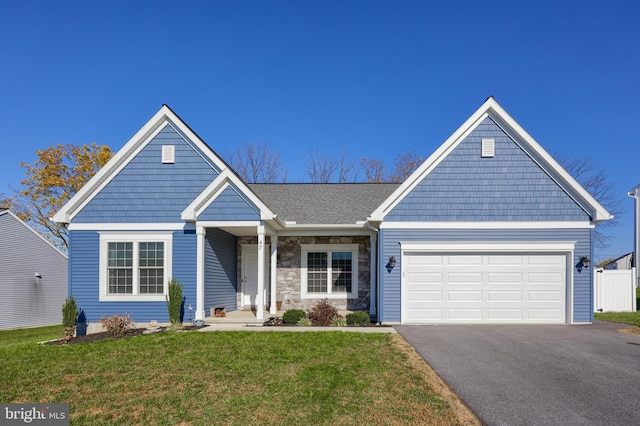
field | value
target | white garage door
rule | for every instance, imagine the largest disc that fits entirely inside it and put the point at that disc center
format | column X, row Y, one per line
column 484, row 288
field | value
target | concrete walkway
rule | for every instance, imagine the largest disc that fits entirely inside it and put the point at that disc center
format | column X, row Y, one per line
column 247, row 321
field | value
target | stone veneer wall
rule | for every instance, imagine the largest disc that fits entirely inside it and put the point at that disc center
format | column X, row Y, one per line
column 288, row 283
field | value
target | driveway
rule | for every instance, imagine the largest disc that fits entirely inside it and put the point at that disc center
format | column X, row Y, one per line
column 537, row 374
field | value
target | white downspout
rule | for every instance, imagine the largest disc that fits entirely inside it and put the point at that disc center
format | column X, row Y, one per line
column 274, row 264
column 261, row 273
column 636, row 231
column 200, row 236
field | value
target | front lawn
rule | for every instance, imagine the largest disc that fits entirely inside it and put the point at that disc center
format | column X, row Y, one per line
column 632, row 318
column 230, row 378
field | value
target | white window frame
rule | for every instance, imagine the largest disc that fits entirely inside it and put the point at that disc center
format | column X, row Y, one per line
column 329, row 248
column 136, row 239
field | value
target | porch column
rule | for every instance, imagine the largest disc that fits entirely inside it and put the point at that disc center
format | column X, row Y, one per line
column 200, row 236
column 274, row 264
column 373, row 238
column 261, row 273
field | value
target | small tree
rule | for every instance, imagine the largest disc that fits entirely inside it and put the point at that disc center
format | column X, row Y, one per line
column 70, row 313
column 174, row 302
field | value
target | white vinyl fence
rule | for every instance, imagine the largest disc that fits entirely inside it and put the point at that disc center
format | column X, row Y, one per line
column 615, row 290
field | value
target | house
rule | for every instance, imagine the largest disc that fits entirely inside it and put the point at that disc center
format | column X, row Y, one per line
column 623, row 262
column 33, row 276
column 489, row 228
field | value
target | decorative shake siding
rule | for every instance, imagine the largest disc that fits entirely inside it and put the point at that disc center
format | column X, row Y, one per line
column 230, row 205
column 147, row 190
column 288, row 283
column 469, row 188
column 390, row 282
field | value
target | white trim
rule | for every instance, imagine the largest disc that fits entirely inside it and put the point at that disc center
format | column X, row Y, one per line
column 489, row 246
column 489, row 109
column 566, row 248
column 329, row 248
column 328, row 232
column 133, row 227
column 273, row 268
column 486, row 225
column 135, row 238
column 13, row 215
column 229, row 224
column 215, row 188
column 158, row 122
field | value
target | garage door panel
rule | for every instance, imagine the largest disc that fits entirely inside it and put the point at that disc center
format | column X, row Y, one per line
column 501, row 278
column 504, row 314
column 504, row 295
column 464, row 314
column 470, row 288
column 464, row 295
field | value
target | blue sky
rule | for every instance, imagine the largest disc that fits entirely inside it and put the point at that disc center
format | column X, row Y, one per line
column 373, row 78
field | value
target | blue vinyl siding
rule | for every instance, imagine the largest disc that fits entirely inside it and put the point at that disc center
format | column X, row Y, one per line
column 508, row 187
column 230, row 205
column 390, row 292
column 185, row 248
column 84, row 278
column 147, row 190
column 220, row 282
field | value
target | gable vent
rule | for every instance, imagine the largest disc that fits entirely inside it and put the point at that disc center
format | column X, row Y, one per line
column 168, row 154
column 488, row 147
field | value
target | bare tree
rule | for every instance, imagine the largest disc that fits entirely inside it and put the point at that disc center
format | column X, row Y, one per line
column 595, row 181
column 320, row 168
column 405, row 165
column 256, row 163
column 374, row 170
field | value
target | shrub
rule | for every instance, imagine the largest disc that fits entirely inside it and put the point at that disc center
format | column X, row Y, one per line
column 292, row 316
column 358, row 318
column 323, row 313
column 174, row 302
column 338, row 321
column 117, row 325
column 70, row 313
column 304, row 322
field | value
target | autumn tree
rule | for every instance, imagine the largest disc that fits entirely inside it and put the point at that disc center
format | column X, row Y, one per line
column 58, row 173
column 256, row 163
column 374, row 170
column 403, row 166
column 321, row 168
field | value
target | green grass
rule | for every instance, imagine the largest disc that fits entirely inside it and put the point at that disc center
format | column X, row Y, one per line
column 223, row 377
column 632, row 318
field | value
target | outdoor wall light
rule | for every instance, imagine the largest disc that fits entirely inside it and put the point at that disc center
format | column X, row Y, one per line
column 585, row 261
column 392, row 262
column 38, row 275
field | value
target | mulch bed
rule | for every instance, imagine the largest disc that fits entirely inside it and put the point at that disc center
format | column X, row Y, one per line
column 95, row 337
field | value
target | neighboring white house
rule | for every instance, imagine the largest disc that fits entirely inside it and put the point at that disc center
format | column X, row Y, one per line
column 623, row 262
column 33, row 276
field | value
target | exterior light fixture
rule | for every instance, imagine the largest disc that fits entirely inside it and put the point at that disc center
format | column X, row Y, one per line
column 392, row 262
column 585, row 261
column 38, row 275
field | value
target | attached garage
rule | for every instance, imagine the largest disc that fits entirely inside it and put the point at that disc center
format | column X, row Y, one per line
column 486, row 283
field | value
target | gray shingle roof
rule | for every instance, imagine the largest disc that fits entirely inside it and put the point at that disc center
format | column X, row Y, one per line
column 318, row 203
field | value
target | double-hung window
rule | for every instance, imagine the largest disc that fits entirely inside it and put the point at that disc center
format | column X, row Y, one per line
column 134, row 266
column 329, row 270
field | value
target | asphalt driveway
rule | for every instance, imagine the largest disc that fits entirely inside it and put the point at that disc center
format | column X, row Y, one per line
column 537, row 375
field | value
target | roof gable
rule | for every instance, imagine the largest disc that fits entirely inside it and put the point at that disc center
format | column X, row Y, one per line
column 492, row 115
column 37, row 236
column 164, row 124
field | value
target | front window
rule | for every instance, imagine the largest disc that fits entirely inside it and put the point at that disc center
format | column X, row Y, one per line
column 134, row 266
column 329, row 270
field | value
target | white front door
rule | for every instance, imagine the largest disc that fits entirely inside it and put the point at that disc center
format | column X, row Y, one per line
column 250, row 277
